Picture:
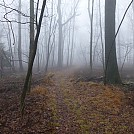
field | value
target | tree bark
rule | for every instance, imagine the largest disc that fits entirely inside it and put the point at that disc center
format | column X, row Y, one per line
column 31, row 38
column 111, row 68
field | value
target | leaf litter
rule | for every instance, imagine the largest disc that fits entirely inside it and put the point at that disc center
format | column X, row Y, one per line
column 60, row 105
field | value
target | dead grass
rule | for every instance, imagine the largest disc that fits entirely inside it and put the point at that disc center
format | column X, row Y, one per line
column 48, row 79
column 39, row 90
column 59, row 105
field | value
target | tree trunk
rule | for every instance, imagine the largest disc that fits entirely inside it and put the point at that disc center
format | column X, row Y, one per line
column 31, row 25
column 10, row 45
column 60, row 43
column 32, row 57
column 31, row 37
column 133, row 31
column 119, row 45
column 72, row 45
column 49, row 46
column 69, row 42
column 1, row 63
column 101, row 35
column 19, row 39
column 111, row 71
column 91, row 15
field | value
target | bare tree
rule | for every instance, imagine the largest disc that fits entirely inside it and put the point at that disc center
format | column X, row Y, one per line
column 111, row 72
column 101, row 36
column 31, row 46
column 60, row 31
column 91, row 15
column 19, row 38
column 125, row 57
column 119, row 44
column 10, row 30
column 68, row 42
column 72, row 43
column 32, row 57
column 51, row 32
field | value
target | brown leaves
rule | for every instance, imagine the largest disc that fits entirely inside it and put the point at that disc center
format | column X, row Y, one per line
column 39, row 90
column 59, row 105
column 109, row 101
column 48, row 80
column 92, row 107
column 37, row 116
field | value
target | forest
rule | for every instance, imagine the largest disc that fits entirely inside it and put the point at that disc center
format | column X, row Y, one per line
column 67, row 67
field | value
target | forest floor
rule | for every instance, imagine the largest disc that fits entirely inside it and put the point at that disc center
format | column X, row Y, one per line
column 62, row 103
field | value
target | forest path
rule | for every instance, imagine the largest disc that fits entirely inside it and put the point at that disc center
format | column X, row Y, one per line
column 88, row 107
column 61, row 103
column 65, row 124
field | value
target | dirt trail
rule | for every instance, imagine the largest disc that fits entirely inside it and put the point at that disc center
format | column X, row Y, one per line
column 60, row 104
column 65, row 120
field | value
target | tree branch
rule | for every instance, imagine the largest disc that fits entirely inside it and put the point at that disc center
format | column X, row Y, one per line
column 74, row 14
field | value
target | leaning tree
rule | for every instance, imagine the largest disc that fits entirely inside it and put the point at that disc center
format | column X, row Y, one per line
column 32, row 54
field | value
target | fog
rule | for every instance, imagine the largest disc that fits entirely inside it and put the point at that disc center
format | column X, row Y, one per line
column 76, row 33
column 66, row 66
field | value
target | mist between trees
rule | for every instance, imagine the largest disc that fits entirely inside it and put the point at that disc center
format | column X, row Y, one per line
column 42, row 35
